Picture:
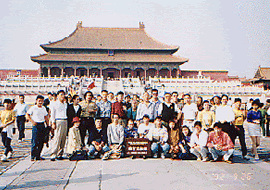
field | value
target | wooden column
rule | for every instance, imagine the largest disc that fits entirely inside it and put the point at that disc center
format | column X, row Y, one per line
column 120, row 72
column 49, row 71
column 100, row 72
column 75, row 72
column 62, row 71
column 87, row 69
column 170, row 72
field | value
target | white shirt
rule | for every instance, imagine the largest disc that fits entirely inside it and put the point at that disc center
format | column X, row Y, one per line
column 143, row 109
column 190, row 111
column 38, row 114
column 225, row 113
column 201, row 141
column 142, row 127
column 160, row 108
column 268, row 111
column 58, row 111
column 21, row 109
column 76, row 108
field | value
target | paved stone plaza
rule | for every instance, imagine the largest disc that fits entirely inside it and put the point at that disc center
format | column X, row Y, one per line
column 21, row 173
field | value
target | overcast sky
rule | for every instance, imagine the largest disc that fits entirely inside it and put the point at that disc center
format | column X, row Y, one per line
column 228, row 35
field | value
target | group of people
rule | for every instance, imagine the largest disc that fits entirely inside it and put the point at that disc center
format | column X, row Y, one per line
column 176, row 127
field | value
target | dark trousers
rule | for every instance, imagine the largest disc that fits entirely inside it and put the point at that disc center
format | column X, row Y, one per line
column 230, row 130
column 105, row 122
column 21, row 126
column 87, row 124
column 267, row 127
column 38, row 139
column 241, row 134
column 6, row 142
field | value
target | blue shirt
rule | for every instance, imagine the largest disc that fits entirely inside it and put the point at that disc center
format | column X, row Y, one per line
column 253, row 115
column 104, row 109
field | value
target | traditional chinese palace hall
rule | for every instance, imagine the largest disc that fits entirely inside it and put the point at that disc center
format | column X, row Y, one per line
column 109, row 52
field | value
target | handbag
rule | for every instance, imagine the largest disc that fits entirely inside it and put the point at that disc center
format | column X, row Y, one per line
column 79, row 155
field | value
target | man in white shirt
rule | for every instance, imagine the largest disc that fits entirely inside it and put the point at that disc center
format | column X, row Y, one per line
column 267, row 107
column 159, row 137
column 146, row 107
column 225, row 115
column 21, row 108
column 190, row 111
column 37, row 115
column 144, row 127
column 59, row 124
column 198, row 141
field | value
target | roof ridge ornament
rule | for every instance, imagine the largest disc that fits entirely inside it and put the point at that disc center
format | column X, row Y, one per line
column 141, row 25
column 79, row 24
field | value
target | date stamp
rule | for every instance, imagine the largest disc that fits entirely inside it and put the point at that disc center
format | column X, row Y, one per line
column 241, row 176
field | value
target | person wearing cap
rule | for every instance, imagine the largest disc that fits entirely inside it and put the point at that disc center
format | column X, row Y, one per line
column 98, row 140
column 21, row 108
column 146, row 107
column 158, row 135
column 169, row 111
column 254, row 118
column 220, row 144
column 59, row 125
column 38, row 115
column 190, row 111
column 74, row 138
column 7, row 117
column 144, row 127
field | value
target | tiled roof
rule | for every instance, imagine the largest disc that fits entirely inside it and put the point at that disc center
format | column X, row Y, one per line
column 106, row 58
column 263, row 73
column 110, row 38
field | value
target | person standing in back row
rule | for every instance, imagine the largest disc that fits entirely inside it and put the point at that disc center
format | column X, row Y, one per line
column 89, row 109
column 21, row 108
column 38, row 115
column 59, row 125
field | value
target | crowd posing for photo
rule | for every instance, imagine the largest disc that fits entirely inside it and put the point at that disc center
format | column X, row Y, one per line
column 175, row 126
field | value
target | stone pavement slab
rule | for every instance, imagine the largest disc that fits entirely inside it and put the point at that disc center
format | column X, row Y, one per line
column 44, row 175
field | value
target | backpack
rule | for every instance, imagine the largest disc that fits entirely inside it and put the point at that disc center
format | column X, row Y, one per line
column 79, row 155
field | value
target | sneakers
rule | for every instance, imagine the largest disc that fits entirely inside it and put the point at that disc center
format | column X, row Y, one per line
column 205, row 159
column 105, row 157
column 4, row 158
column 155, row 155
column 19, row 141
column 9, row 155
column 52, row 158
column 162, row 156
column 228, row 161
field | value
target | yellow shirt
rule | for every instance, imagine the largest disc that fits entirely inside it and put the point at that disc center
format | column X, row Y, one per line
column 239, row 117
column 207, row 118
column 86, row 107
column 7, row 116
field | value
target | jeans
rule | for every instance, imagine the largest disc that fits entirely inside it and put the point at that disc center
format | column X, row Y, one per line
column 241, row 135
column 157, row 147
column 6, row 142
column 92, row 150
column 21, row 126
column 202, row 153
column 38, row 138
column 216, row 153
